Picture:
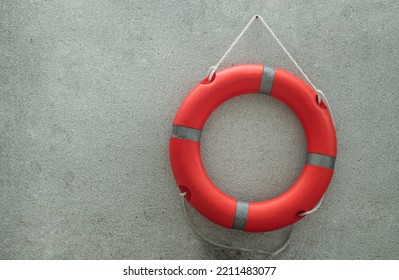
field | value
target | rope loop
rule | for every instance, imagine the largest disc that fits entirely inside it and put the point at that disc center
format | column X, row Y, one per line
column 212, row 70
column 222, row 246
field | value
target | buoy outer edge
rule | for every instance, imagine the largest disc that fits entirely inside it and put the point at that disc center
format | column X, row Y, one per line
column 188, row 169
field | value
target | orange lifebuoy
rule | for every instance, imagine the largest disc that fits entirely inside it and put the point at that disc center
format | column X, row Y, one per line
column 223, row 209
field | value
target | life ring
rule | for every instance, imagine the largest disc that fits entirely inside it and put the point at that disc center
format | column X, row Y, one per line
column 216, row 205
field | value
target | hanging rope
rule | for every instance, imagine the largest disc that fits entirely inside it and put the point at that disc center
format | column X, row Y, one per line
column 222, row 246
column 212, row 70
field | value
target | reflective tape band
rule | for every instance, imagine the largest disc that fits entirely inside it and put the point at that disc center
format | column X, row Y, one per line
column 267, row 80
column 188, row 133
column 240, row 217
column 320, row 160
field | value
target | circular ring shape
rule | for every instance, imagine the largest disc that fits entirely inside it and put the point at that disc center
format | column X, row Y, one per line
column 223, row 209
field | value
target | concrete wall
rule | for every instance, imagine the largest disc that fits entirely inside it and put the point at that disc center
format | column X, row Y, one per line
column 88, row 93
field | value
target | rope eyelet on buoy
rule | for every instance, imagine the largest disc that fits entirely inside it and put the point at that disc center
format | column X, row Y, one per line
column 216, row 205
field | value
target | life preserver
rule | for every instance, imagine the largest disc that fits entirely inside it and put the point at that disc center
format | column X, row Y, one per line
column 223, row 209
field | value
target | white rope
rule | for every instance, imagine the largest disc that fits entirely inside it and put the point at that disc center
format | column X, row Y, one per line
column 212, row 70
column 272, row 253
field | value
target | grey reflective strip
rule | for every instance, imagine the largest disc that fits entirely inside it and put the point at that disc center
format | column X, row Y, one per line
column 267, row 81
column 186, row 133
column 320, row 160
column 240, row 218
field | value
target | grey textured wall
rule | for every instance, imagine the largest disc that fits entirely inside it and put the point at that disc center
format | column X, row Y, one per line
column 89, row 90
